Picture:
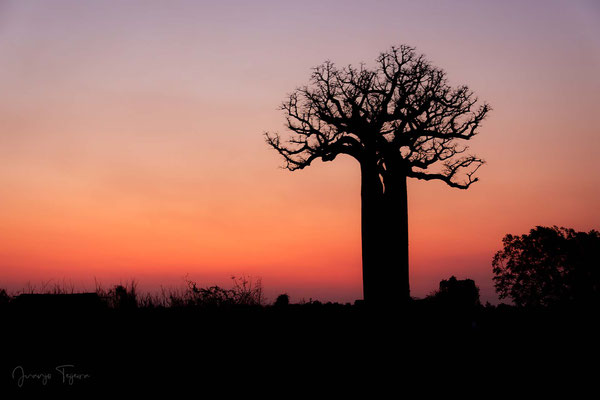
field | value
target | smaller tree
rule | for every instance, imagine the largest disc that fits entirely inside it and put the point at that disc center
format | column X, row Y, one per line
column 548, row 267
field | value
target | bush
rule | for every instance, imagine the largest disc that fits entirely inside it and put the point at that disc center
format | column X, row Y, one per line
column 457, row 293
column 283, row 300
column 244, row 292
column 4, row 297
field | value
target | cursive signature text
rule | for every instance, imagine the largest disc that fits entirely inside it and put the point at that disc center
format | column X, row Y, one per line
column 66, row 373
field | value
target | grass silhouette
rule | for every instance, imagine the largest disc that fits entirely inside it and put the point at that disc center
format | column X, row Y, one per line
column 225, row 336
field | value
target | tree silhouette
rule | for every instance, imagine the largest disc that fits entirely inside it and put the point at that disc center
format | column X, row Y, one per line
column 399, row 120
column 549, row 267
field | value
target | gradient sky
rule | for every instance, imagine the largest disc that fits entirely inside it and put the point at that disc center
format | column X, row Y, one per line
column 131, row 139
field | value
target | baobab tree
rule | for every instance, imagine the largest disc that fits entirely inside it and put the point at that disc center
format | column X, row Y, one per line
column 399, row 120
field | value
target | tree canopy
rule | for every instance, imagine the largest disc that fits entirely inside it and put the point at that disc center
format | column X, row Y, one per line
column 403, row 114
column 548, row 267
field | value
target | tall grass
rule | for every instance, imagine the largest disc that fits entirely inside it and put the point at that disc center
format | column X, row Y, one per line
column 244, row 291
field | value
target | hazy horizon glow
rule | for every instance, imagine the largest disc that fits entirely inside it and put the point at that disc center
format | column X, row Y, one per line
column 131, row 139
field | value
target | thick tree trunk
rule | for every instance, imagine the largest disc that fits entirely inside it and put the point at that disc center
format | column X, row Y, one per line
column 396, row 224
column 384, row 216
column 371, row 203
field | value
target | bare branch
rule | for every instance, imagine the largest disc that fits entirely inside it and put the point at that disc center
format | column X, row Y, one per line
column 451, row 169
column 404, row 109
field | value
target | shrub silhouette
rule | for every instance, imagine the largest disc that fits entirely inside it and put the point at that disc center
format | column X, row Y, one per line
column 124, row 298
column 463, row 294
column 243, row 293
column 4, row 298
column 283, row 300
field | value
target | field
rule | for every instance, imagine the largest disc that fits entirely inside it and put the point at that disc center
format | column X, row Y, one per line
column 79, row 342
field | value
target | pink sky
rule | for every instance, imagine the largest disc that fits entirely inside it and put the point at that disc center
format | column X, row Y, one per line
column 131, row 139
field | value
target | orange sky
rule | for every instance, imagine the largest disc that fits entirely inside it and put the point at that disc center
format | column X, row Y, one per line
column 131, row 140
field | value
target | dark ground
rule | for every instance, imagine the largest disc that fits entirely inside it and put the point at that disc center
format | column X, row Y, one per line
column 213, row 340
column 253, row 349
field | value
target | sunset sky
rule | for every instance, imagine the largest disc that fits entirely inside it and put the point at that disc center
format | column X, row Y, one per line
column 131, row 139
